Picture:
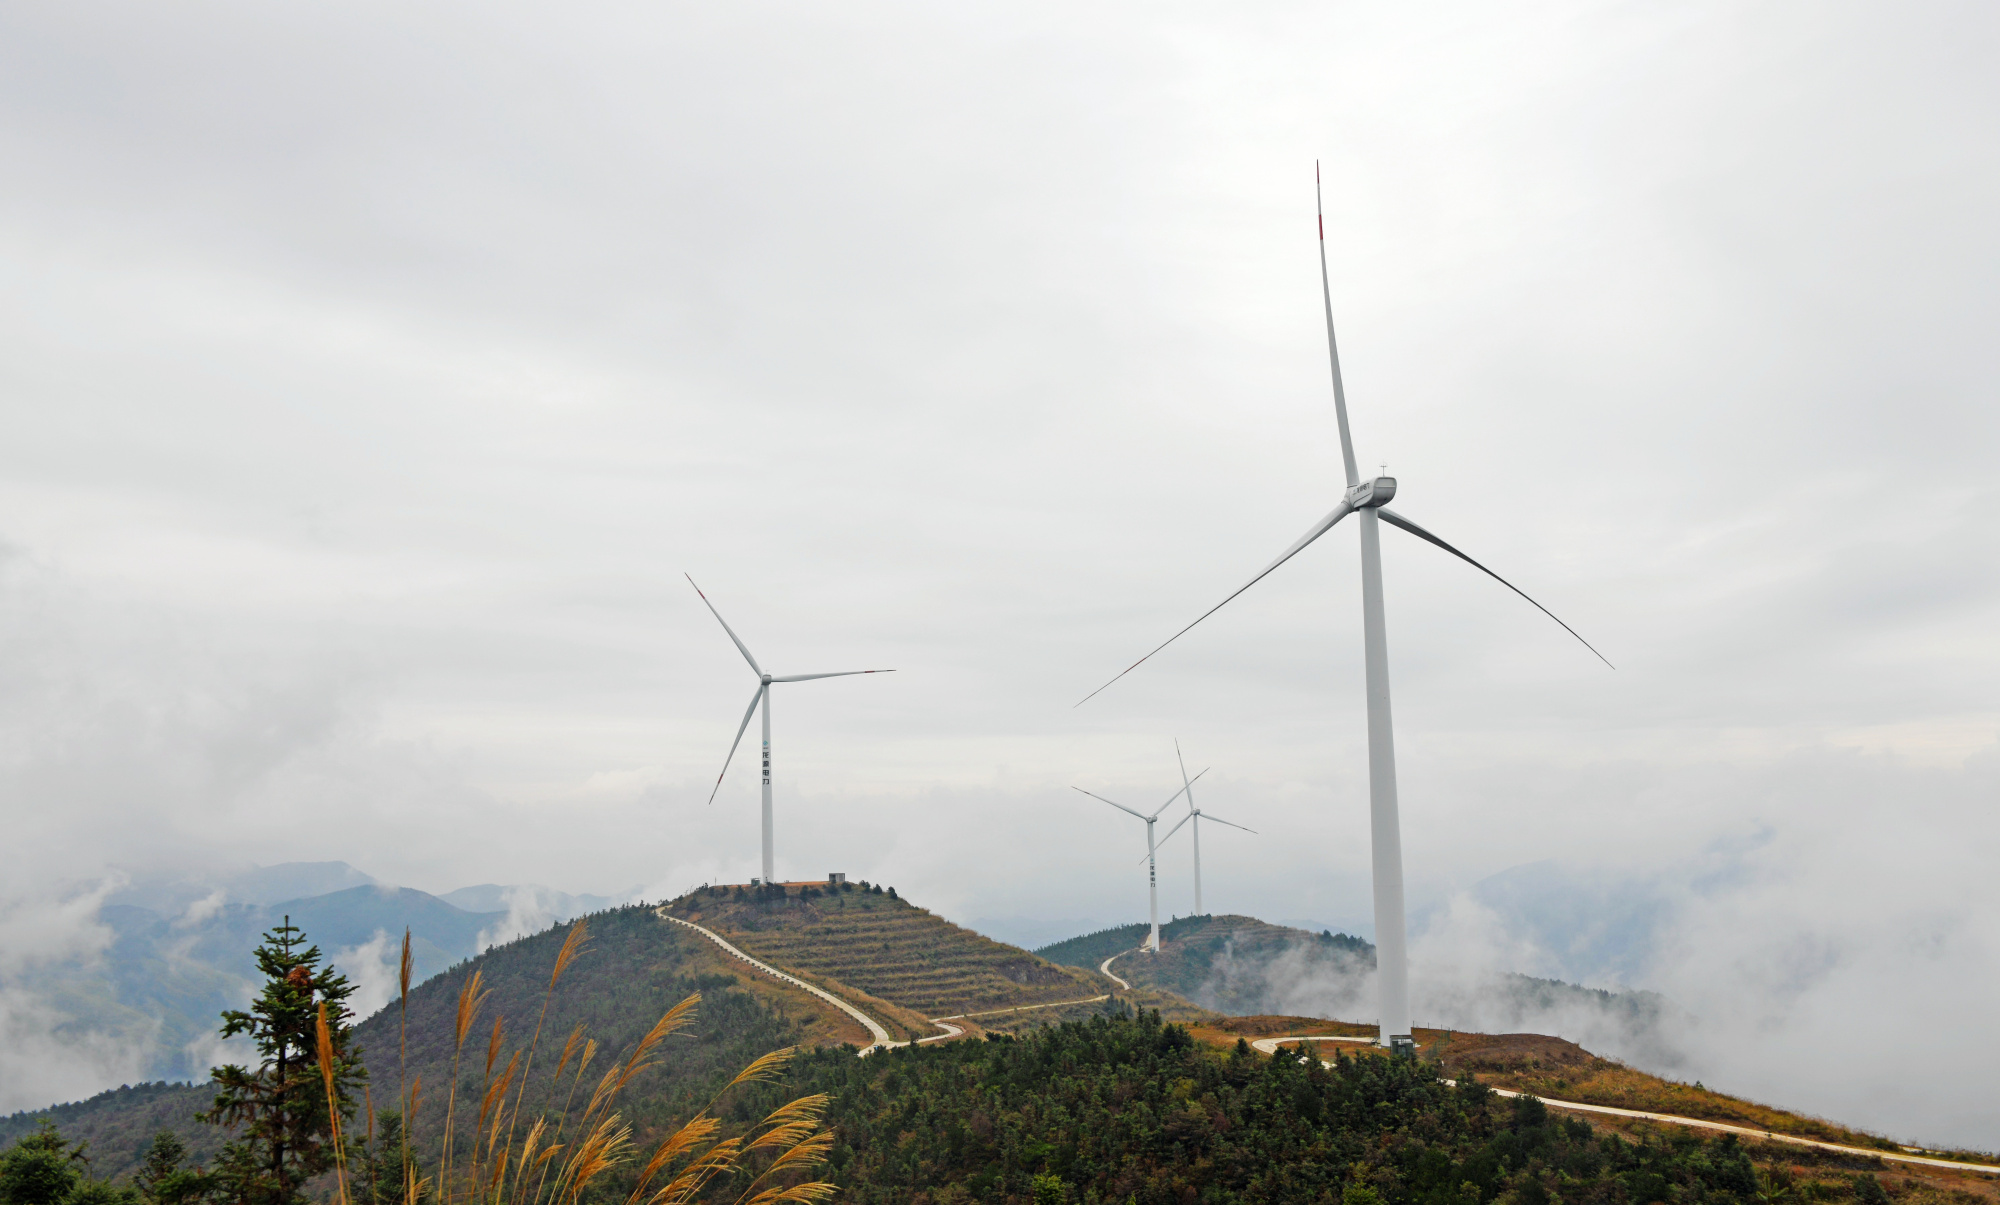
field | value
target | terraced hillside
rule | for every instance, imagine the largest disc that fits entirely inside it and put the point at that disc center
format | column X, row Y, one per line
column 870, row 941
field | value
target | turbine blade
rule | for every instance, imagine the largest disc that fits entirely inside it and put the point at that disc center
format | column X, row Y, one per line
column 1185, row 789
column 1319, row 529
column 1161, row 843
column 1397, row 520
column 1121, row 807
column 1332, row 348
column 1185, row 781
column 740, row 730
column 846, row 673
column 725, row 627
column 1230, row 823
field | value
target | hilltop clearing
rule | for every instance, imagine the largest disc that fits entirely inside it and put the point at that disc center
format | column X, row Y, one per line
column 869, row 941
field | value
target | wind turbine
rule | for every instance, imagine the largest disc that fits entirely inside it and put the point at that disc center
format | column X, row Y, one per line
column 764, row 684
column 1152, row 871
column 1367, row 500
column 1196, row 815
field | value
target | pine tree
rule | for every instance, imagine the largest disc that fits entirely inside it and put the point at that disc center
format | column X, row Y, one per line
column 379, row 1180
column 161, row 1180
column 280, row 1109
column 42, row 1169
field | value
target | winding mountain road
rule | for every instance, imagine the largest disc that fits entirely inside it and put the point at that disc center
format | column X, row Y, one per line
column 1270, row 1046
column 874, row 1027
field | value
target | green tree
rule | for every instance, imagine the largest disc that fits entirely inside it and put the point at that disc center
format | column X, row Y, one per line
column 279, row 1110
column 41, row 1169
column 161, row 1180
column 379, row 1179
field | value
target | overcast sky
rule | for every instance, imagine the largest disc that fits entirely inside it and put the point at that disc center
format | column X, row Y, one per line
column 372, row 373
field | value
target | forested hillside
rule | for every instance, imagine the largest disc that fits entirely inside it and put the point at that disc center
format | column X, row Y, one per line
column 1091, row 949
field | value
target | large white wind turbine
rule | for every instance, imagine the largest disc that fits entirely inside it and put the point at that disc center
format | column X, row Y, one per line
column 1152, row 869
column 1195, row 816
column 1366, row 500
column 764, row 683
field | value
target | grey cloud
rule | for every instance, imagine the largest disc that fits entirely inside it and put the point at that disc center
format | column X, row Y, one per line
column 372, row 373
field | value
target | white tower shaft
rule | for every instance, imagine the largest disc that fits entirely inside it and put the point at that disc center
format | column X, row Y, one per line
column 1152, row 891
column 1196, row 824
column 1392, row 969
column 770, row 859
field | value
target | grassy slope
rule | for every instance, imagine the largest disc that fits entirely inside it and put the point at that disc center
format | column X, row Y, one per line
column 1559, row 1070
column 887, row 948
column 1563, row 1070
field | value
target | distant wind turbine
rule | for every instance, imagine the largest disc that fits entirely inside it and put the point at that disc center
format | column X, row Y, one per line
column 1196, row 815
column 764, row 683
column 1152, row 869
column 1366, row 500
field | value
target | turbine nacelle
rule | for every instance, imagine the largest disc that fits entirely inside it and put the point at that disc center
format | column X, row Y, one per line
column 1371, row 493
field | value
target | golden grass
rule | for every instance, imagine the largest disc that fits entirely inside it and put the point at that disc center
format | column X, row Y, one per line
column 1560, row 1070
column 323, row 1036
column 1557, row 1070
column 779, row 1153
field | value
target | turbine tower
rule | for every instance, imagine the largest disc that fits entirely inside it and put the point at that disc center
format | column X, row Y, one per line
column 1367, row 500
column 764, row 684
column 1196, row 816
column 1152, row 870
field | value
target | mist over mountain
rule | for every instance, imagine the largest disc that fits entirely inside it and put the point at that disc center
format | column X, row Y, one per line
column 140, row 999
column 1243, row 966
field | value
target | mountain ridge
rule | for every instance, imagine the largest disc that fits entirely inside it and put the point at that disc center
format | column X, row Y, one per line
column 637, row 964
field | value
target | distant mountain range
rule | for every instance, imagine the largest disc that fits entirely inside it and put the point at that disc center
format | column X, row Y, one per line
column 1227, row 976
column 179, row 952
column 142, row 1003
